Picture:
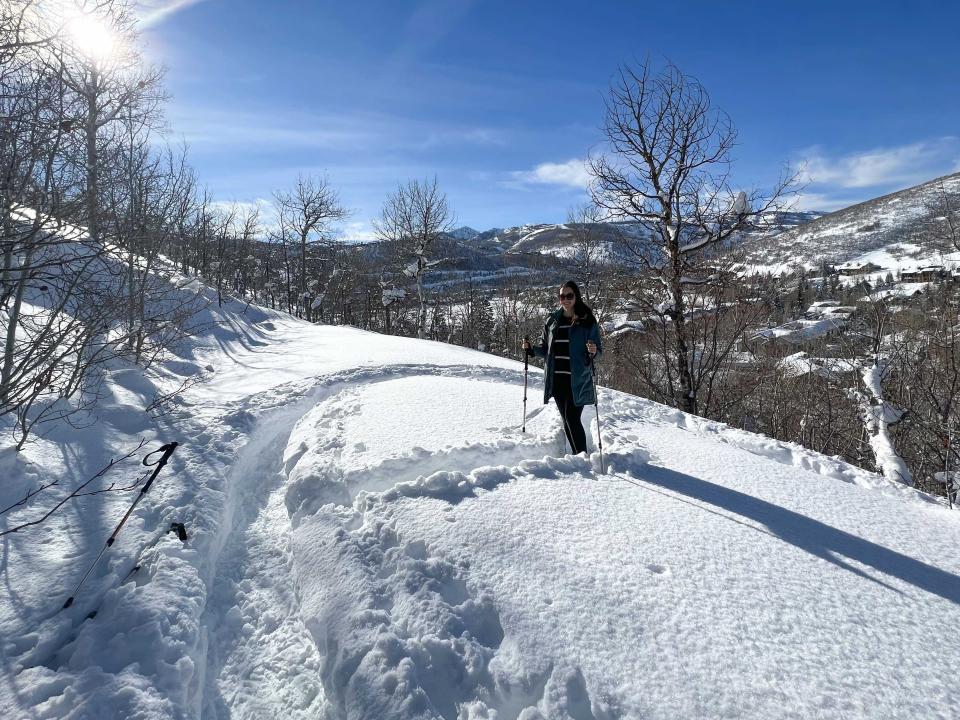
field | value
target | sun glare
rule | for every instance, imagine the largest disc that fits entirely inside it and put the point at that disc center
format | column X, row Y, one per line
column 92, row 37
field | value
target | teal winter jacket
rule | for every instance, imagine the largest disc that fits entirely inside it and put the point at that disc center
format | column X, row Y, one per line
column 580, row 373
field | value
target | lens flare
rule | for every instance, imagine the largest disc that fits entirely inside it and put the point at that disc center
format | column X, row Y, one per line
column 92, row 37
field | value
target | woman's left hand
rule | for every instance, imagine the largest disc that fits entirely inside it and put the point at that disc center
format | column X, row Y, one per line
column 591, row 348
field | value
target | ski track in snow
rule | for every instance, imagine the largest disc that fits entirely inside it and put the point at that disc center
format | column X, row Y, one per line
column 252, row 612
column 256, row 633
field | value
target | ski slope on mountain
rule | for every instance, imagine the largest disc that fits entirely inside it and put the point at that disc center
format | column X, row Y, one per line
column 372, row 536
column 907, row 229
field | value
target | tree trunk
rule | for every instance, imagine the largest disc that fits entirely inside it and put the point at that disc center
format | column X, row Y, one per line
column 93, row 160
column 422, row 319
column 303, row 277
column 131, row 299
column 688, row 397
column 11, row 339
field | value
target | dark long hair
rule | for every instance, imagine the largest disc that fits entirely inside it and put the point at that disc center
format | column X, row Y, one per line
column 580, row 308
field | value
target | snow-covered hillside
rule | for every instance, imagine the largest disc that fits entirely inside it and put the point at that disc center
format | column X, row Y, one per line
column 901, row 229
column 372, row 536
column 608, row 238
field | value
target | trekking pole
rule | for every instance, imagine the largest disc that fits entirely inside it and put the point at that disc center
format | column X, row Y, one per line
column 165, row 452
column 596, row 406
column 175, row 527
column 526, row 364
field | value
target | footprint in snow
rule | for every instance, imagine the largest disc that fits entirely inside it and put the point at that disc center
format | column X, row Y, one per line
column 658, row 569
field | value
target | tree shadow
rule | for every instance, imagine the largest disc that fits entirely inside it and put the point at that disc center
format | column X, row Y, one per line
column 812, row 536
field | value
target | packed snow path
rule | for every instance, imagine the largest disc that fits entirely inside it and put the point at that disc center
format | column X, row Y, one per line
column 305, row 447
column 373, row 537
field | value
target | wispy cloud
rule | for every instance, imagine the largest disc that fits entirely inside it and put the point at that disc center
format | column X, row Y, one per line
column 572, row 173
column 342, row 132
column 465, row 136
column 905, row 164
column 213, row 129
column 429, row 23
column 153, row 12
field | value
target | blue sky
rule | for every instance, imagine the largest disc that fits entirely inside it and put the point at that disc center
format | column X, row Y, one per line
column 503, row 100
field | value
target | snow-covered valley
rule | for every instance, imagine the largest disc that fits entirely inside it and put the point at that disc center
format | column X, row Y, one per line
column 372, row 536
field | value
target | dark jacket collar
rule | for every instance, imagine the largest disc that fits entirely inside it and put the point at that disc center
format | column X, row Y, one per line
column 558, row 313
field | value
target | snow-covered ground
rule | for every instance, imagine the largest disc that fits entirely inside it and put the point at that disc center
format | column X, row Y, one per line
column 372, row 536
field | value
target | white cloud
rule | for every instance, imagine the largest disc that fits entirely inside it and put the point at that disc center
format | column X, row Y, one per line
column 905, row 165
column 267, row 220
column 428, row 24
column 358, row 232
column 572, row 173
column 823, row 202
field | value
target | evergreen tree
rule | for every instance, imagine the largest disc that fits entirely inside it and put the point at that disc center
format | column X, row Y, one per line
column 481, row 322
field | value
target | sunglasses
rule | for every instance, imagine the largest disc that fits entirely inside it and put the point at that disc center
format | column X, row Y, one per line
column 566, row 296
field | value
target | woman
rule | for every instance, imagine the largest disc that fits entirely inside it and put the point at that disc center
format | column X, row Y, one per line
column 570, row 344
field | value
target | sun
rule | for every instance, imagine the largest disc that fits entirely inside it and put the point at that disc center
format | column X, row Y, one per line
column 92, row 37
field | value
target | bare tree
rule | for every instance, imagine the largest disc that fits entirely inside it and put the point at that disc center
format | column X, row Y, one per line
column 223, row 222
column 923, row 378
column 25, row 31
column 52, row 313
column 594, row 265
column 870, row 348
column 66, row 295
column 667, row 168
column 142, row 210
column 306, row 214
column 412, row 219
column 110, row 86
column 248, row 225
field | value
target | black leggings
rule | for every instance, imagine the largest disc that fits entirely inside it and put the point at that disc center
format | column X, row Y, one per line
column 570, row 413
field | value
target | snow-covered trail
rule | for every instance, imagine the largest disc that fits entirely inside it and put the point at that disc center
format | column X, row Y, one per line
column 261, row 658
column 373, row 537
column 252, row 620
column 251, row 359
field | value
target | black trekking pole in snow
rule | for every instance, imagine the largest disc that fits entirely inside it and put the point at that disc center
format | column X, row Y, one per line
column 165, row 452
column 175, row 527
column 526, row 364
column 596, row 406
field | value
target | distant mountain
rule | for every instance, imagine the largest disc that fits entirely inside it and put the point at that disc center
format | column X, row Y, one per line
column 900, row 228
column 905, row 227
column 558, row 240
column 464, row 233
